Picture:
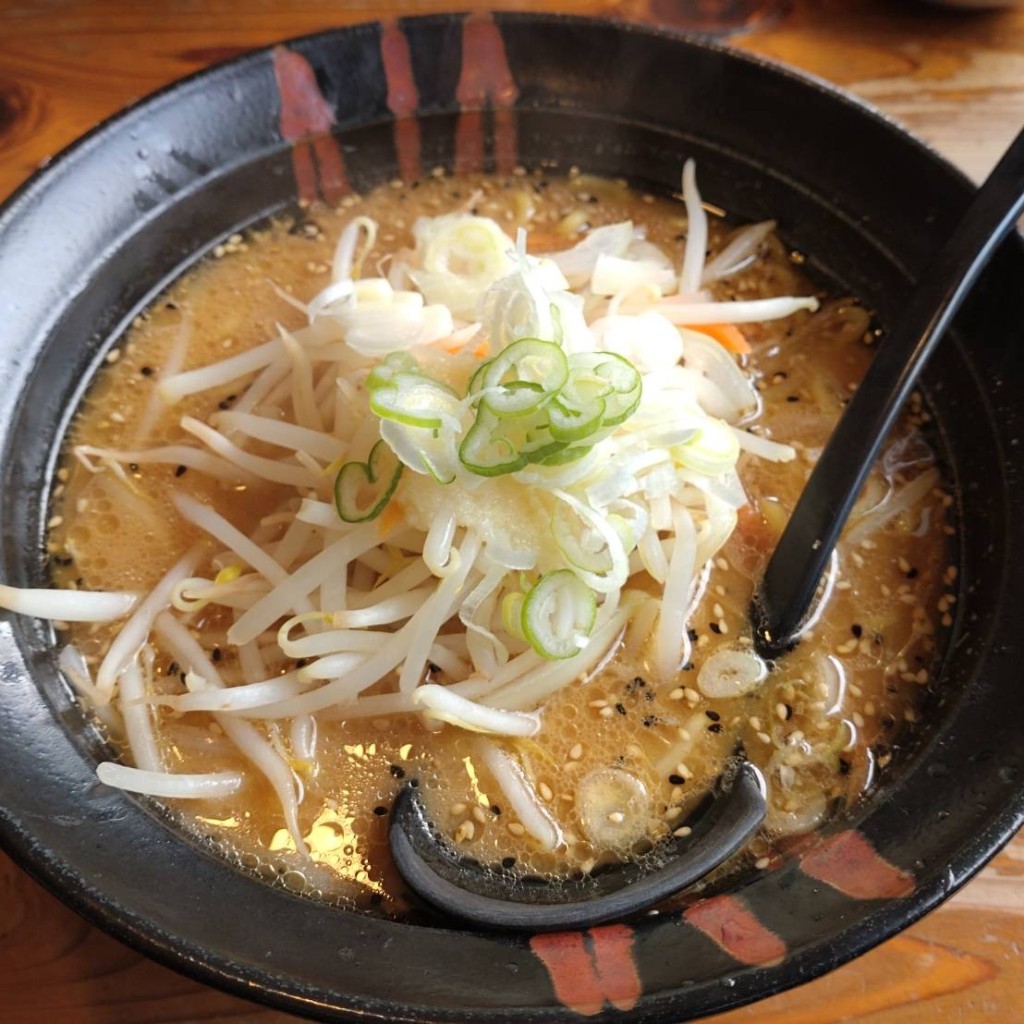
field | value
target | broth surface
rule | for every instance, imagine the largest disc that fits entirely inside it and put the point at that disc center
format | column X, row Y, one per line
column 822, row 726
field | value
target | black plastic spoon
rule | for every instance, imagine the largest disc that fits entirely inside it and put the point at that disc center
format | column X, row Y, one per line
column 786, row 591
column 494, row 898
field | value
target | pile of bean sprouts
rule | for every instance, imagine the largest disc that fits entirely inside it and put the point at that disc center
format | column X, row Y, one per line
column 446, row 565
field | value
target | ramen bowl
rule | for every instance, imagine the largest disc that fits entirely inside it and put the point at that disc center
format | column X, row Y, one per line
column 89, row 242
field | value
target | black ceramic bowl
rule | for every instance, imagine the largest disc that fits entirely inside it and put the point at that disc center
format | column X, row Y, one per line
column 86, row 244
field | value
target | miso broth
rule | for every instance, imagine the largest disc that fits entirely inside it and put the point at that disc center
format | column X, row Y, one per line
column 624, row 752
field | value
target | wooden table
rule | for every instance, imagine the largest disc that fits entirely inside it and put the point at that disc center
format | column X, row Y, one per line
column 956, row 79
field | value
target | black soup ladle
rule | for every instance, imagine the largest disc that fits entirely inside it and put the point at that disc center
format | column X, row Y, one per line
column 492, row 897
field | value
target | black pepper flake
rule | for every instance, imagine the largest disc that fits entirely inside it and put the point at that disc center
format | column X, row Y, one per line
column 170, row 305
column 397, row 771
column 792, row 398
column 80, row 581
column 648, row 695
column 888, row 722
column 692, row 634
column 146, row 371
column 133, row 467
column 844, row 766
column 715, row 727
column 496, row 810
column 508, row 862
column 621, row 708
column 173, row 668
column 857, row 630
column 380, row 811
column 181, row 471
column 639, row 682
column 713, row 715
column 676, row 780
column 415, row 783
column 912, row 573
column 715, row 627
column 651, row 720
column 216, row 654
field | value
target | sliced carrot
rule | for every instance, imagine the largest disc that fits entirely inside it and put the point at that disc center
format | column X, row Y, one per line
column 540, row 241
column 727, row 335
column 391, row 516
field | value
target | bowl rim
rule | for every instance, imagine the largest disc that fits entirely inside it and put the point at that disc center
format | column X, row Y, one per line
column 94, row 904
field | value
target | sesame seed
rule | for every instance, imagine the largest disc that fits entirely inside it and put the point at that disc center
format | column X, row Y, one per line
column 616, row 817
column 576, row 752
column 516, row 829
column 479, row 814
column 676, row 694
column 465, row 832
column 858, row 719
column 761, row 863
column 599, row 703
column 545, row 792
column 682, row 832
column 764, row 737
column 606, row 712
column 672, row 813
column 755, row 723
column 458, row 810
column 691, row 695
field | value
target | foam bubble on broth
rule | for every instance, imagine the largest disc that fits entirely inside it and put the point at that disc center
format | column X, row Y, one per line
column 878, row 635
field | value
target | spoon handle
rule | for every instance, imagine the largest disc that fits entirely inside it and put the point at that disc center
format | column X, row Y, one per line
column 787, row 589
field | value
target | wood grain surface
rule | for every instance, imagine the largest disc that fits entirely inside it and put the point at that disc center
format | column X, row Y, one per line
column 954, row 78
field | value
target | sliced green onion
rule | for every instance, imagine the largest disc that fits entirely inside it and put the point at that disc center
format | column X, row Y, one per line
column 558, row 615
column 423, row 450
column 486, row 451
column 415, row 400
column 522, row 376
column 384, row 372
column 582, row 547
column 494, row 446
column 362, row 489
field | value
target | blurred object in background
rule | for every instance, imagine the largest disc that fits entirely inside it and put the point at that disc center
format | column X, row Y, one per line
column 979, row 5
column 714, row 17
